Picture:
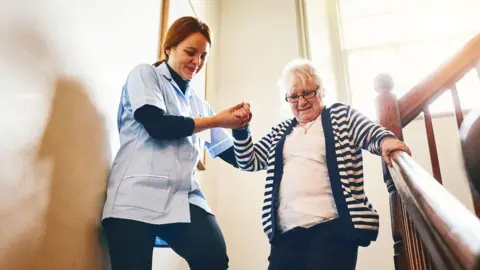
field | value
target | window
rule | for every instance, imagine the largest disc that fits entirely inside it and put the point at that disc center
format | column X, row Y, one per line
column 407, row 39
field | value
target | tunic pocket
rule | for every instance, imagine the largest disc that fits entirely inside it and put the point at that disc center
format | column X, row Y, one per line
column 147, row 192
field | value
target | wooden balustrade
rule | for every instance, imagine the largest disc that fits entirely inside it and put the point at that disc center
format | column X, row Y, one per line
column 457, row 106
column 430, row 228
column 443, row 78
column 432, row 145
column 449, row 231
column 389, row 117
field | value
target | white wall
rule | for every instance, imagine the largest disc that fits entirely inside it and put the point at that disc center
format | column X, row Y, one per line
column 257, row 39
column 62, row 66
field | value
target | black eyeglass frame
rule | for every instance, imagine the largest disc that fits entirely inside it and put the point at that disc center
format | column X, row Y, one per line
column 306, row 94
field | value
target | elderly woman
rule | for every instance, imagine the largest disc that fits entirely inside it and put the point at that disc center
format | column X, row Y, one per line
column 315, row 211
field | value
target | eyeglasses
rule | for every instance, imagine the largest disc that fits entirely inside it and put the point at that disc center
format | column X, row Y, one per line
column 306, row 94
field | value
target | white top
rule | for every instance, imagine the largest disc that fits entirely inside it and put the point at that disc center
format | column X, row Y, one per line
column 306, row 197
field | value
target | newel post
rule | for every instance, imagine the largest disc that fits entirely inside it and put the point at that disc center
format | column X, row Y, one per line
column 389, row 117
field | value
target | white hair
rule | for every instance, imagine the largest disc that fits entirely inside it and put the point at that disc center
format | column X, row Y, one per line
column 300, row 70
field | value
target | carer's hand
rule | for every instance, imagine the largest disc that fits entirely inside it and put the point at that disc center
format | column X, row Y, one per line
column 389, row 145
column 228, row 119
column 244, row 113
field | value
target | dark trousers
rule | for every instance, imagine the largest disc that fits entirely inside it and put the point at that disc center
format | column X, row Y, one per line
column 321, row 247
column 200, row 242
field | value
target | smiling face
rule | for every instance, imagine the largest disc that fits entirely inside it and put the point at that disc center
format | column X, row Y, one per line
column 189, row 56
column 308, row 104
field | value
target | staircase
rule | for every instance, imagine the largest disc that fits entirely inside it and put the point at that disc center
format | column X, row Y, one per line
column 431, row 229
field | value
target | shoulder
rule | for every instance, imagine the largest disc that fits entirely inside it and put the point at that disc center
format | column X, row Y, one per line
column 339, row 110
column 339, row 107
column 282, row 126
column 144, row 71
column 144, row 68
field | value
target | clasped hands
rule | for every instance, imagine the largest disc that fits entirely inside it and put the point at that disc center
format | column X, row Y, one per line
column 235, row 117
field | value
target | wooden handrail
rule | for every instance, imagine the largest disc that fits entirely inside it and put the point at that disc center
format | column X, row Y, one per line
column 412, row 103
column 450, row 232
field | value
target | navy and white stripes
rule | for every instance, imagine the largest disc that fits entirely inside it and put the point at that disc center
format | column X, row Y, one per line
column 351, row 132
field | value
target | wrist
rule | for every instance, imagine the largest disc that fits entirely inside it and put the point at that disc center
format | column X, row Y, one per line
column 384, row 139
column 241, row 133
column 214, row 121
column 206, row 122
column 242, row 128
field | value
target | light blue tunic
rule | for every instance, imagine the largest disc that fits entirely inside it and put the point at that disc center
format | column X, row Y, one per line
column 153, row 180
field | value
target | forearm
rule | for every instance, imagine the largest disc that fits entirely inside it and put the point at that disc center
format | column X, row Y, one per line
column 367, row 134
column 229, row 157
column 162, row 126
column 248, row 156
column 204, row 123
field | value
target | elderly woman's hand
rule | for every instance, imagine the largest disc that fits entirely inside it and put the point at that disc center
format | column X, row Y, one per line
column 389, row 145
column 230, row 118
column 244, row 113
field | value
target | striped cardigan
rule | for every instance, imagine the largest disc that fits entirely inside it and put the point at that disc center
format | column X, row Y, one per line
column 346, row 133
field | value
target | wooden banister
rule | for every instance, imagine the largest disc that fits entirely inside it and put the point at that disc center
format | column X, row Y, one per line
column 412, row 103
column 449, row 231
column 431, row 229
